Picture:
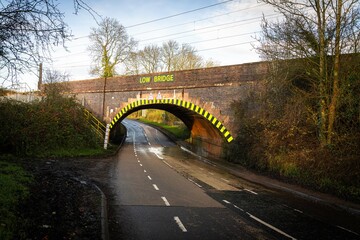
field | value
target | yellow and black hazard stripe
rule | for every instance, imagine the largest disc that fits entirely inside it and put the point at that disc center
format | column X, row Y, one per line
column 212, row 119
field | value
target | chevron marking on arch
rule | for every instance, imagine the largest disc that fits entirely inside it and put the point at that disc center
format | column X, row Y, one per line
column 208, row 116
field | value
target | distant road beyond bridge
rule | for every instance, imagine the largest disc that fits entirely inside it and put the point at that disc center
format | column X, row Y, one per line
column 201, row 98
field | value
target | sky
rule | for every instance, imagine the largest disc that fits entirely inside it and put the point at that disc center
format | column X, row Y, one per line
column 221, row 30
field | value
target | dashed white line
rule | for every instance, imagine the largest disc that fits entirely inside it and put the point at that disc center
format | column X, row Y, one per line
column 226, row 201
column 238, row 208
column 149, row 177
column 194, row 182
column 225, row 180
column 165, row 201
column 270, row 226
column 297, row 210
column 180, row 224
column 248, row 190
column 140, row 165
column 144, row 170
column 156, row 187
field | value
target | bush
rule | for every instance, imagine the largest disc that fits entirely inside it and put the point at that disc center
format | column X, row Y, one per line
column 29, row 129
column 277, row 134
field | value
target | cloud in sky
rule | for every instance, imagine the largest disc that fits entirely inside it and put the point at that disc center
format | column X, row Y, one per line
column 221, row 32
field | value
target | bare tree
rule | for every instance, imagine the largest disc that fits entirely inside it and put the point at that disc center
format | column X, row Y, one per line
column 170, row 51
column 317, row 31
column 111, row 45
column 27, row 30
column 150, row 58
column 171, row 56
column 187, row 58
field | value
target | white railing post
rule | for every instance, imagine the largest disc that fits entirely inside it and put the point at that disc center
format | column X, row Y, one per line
column 106, row 138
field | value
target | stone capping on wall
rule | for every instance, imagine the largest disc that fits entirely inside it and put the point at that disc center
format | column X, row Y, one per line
column 232, row 75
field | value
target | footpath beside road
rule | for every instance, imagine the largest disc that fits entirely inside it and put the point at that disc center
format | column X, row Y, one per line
column 268, row 182
column 271, row 183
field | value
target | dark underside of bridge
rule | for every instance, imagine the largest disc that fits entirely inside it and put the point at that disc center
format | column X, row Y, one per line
column 203, row 132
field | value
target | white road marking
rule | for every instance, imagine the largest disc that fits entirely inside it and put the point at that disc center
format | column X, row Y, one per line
column 165, row 201
column 138, row 160
column 144, row 170
column 225, row 180
column 347, row 230
column 297, row 210
column 140, row 165
column 180, row 224
column 156, row 187
column 149, row 177
column 248, row 190
column 211, row 173
column 156, row 152
column 227, row 202
column 194, row 182
column 168, row 164
column 238, row 208
column 270, row 226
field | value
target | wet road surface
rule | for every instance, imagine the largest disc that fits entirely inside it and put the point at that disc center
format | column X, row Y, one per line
column 161, row 192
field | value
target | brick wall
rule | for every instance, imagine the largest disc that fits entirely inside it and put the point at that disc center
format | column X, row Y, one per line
column 213, row 89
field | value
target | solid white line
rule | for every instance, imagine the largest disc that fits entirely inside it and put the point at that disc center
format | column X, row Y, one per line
column 194, row 182
column 180, row 224
column 156, row 188
column 159, row 156
column 271, row 226
column 248, row 190
column 149, row 178
column 165, row 201
column 168, row 164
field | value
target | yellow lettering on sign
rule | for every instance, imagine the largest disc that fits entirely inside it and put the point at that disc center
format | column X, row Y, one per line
column 164, row 78
column 144, row 79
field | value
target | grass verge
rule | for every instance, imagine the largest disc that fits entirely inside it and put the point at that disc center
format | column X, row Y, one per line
column 180, row 132
column 14, row 182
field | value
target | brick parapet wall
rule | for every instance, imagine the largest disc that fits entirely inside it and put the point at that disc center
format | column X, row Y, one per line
column 196, row 78
column 213, row 89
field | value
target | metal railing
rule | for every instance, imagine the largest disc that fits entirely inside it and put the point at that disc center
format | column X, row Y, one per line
column 95, row 123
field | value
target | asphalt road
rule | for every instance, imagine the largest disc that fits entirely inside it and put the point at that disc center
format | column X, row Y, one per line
column 162, row 193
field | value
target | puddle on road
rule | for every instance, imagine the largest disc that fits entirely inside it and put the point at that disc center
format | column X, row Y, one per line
column 184, row 162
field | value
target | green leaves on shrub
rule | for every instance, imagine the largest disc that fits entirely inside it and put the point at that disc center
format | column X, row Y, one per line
column 54, row 123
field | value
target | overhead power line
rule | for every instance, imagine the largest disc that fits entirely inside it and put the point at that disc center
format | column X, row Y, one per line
column 208, row 27
column 199, row 20
column 178, row 14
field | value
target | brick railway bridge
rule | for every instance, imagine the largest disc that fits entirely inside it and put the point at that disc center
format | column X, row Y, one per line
column 201, row 98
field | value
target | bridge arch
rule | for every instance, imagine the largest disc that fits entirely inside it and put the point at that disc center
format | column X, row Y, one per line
column 185, row 108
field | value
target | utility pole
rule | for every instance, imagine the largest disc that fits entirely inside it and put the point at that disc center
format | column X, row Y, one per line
column 40, row 77
column 104, row 98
